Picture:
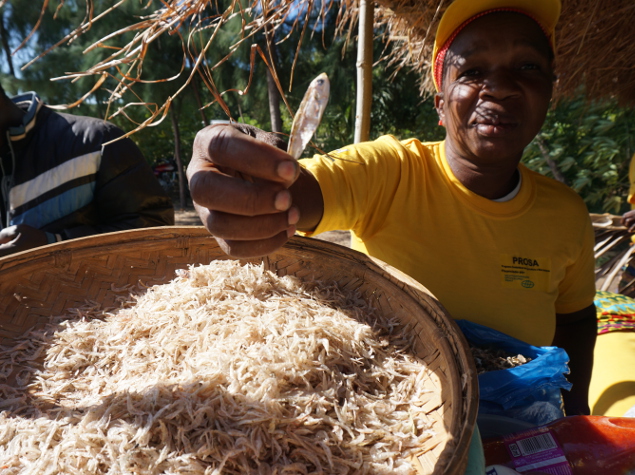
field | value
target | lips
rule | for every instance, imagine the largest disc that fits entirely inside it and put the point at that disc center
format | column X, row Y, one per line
column 493, row 124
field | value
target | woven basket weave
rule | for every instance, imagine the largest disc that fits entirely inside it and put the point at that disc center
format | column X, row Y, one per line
column 46, row 281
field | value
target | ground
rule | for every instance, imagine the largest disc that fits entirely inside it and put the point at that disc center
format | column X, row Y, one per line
column 188, row 217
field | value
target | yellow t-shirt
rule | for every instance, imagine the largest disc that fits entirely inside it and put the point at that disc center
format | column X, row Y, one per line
column 510, row 266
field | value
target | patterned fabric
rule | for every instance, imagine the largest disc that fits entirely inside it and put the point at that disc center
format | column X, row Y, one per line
column 615, row 312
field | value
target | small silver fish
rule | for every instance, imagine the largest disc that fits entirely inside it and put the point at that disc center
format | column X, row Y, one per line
column 309, row 114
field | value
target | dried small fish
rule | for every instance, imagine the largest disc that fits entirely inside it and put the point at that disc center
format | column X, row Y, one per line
column 230, row 370
column 493, row 359
column 309, row 114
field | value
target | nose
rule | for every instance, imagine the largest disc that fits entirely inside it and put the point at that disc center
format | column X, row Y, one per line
column 499, row 84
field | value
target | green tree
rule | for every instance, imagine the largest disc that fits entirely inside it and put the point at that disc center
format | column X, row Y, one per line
column 585, row 144
column 588, row 146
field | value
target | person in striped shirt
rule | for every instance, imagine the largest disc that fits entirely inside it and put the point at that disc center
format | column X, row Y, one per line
column 66, row 176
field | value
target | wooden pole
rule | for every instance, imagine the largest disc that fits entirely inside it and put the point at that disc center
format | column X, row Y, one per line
column 364, row 71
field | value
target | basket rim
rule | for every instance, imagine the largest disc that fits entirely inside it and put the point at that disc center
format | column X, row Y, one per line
column 455, row 455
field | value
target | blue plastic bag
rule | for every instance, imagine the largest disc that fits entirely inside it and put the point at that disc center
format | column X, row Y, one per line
column 530, row 392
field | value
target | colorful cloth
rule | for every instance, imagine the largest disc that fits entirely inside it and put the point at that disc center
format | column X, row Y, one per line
column 615, row 312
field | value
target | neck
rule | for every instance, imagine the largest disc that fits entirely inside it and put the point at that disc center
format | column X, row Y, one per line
column 492, row 180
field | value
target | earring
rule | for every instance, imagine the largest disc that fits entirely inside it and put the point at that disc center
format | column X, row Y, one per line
column 441, row 122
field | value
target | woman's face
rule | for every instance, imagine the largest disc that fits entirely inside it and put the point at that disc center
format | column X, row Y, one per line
column 497, row 85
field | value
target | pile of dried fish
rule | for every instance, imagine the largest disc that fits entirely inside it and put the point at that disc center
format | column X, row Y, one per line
column 228, row 369
column 490, row 358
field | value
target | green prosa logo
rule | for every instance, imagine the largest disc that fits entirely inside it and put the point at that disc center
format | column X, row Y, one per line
column 528, row 284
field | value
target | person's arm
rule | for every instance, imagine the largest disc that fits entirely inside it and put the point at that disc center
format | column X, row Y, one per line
column 127, row 194
column 249, row 193
column 576, row 334
column 628, row 220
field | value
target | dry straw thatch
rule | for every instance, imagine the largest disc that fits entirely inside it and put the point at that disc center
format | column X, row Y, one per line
column 595, row 44
column 595, row 53
column 614, row 255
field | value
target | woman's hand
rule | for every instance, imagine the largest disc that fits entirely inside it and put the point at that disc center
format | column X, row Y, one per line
column 240, row 188
column 628, row 220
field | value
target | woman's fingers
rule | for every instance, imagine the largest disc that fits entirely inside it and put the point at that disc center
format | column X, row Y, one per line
column 236, row 195
column 246, row 228
column 244, row 236
column 232, row 151
column 239, row 186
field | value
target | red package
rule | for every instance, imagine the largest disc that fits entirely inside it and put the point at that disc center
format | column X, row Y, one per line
column 574, row 445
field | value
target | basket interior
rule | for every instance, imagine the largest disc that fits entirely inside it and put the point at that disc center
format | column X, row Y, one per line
column 46, row 281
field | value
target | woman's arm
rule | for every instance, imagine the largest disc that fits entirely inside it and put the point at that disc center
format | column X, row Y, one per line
column 576, row 333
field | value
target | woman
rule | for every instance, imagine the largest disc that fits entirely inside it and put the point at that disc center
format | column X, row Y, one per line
column 496, row 243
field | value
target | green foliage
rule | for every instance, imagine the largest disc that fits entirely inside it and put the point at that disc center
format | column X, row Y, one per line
column 397, row 107
column 589, row 147
column 399, row 110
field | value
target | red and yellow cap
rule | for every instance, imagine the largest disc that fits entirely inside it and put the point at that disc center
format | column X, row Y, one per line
column 461, row 12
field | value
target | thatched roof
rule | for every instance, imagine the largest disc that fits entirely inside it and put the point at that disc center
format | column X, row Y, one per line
column 595, row 41
column 595, row 44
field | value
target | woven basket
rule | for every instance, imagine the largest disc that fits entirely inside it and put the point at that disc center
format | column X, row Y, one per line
column 46, row 281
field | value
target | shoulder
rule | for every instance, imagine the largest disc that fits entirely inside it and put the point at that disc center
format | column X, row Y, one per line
column 386, row 159
column 561, row 194
column 76, row 134
column 409, row 146
column 69, row 136
column 90, row 129
column 386, row 148
column 560, row 205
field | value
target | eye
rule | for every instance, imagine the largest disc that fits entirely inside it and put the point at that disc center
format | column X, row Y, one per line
column 530, row 67
column 470, row 73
